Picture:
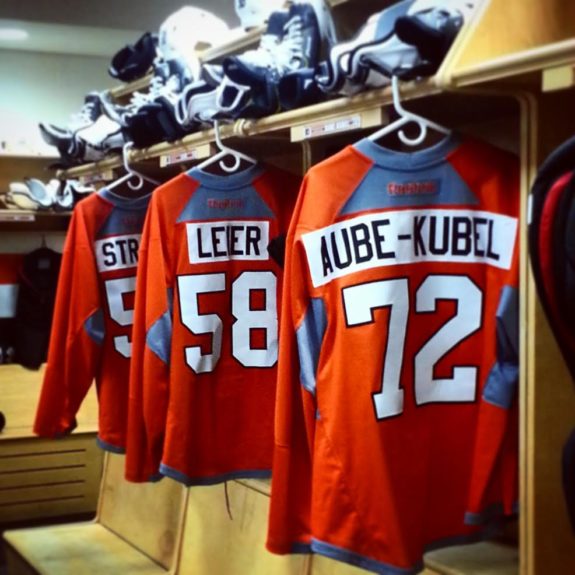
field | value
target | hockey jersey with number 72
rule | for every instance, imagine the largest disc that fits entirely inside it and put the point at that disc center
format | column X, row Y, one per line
column 396, row 413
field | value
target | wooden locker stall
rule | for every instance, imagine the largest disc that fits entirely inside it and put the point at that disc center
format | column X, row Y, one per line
column 530, row 46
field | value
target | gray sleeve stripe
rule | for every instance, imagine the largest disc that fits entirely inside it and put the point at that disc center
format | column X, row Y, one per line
column 309, row 340
column 95, row 327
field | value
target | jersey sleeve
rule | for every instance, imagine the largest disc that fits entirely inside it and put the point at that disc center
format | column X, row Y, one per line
column 76, row 338
column 495, row 459
column 302, row 327
column 151, row 345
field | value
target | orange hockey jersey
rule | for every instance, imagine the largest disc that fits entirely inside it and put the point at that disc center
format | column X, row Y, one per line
column 396, row 419
column 203, row 377
column 91, row 331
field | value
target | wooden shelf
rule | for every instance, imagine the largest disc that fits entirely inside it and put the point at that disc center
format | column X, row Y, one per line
column 127, row 89
column 238, row 41
column 325, row 111
column 28, row 156
column 28, row 220
column 513, row 42
column 517, row 64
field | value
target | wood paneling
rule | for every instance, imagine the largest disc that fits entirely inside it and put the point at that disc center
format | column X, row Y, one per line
column 511, row 26
column 219, row 543
column 548, row 542
column 48, row 478
column 44, row 477
column 147, row 515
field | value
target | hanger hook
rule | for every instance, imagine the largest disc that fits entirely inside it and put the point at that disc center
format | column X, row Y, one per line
column 397, row 96
column 222, row 163
column 125, row 155
column 407, row 115
column 217, row 135
column 413, row 141
column 231, row 168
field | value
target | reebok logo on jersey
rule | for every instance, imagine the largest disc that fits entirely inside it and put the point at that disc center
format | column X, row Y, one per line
column 413, row 188
column 226, row 204
column 409, row 236
column 227, row 240
column 117, row 252
column 133, row 222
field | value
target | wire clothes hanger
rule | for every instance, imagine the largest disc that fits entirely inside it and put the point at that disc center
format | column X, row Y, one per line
column 223, row 152
column 404, row 118
column 131, row 173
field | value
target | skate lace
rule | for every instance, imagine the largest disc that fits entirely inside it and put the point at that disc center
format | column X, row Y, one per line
column 85, row 115
column 157, row 88
column 291, row 50
column 268, row 43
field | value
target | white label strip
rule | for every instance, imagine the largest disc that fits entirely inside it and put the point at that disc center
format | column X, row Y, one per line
column 332, row 126
column 191, row 154
column 7, row 216
column 106, row 176
column 393, row 238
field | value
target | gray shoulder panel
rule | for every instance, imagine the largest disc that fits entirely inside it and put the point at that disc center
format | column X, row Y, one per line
column 382, row 188
column 159, row 336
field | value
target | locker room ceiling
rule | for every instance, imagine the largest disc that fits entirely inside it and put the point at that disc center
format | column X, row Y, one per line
column 93, row 27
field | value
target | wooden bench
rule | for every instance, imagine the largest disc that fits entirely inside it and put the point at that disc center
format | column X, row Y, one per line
column 137, row 530
column 164, row 528
column 157, row 529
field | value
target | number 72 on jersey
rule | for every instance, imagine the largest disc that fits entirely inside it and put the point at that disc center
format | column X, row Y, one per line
column 360, row 302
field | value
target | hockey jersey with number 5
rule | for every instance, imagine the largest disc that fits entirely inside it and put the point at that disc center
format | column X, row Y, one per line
column 91, row 330
column 396, row 415
column 203, row 377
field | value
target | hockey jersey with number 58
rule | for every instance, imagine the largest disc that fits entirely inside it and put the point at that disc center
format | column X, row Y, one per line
column 91, row 331
column 203, row 377
column 396, row 413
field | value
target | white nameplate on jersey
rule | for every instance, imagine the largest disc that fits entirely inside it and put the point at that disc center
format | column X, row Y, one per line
column 409, row 237
column 117, row 252
column 219, row 241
